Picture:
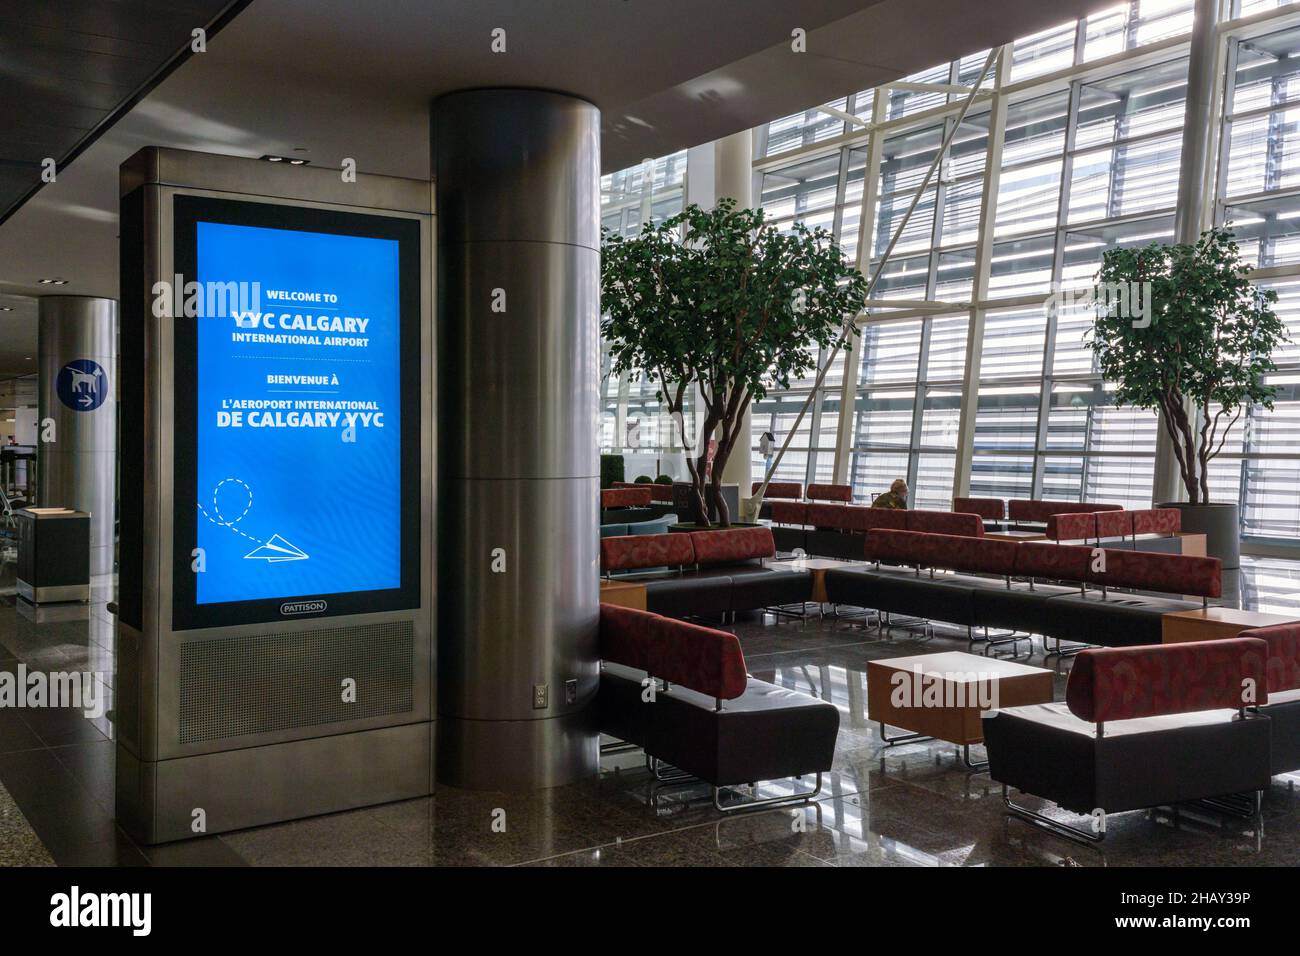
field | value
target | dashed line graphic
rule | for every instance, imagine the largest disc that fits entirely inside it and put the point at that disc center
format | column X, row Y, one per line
column 273, row 550
column 220, row 519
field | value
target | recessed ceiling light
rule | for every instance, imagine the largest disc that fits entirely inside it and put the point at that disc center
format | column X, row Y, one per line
column 6, row 308
column 296, row 161
column 53, row 281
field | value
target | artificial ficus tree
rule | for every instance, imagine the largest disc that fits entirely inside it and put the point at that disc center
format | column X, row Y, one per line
column 726, row 300
column 1200, row 356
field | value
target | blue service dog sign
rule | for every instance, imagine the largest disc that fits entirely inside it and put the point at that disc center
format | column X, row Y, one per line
column 82, row 385
column 298, row 464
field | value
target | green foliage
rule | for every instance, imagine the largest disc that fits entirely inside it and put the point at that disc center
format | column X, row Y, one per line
column 664, row 480
column 643, row 480
column 611, row 470
column 725, row 300
column 1208, row 343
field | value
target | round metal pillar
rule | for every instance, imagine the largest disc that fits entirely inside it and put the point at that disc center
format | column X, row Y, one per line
column 518, row 196
column 77, row 429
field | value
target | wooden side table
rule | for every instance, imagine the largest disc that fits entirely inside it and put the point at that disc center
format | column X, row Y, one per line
column 817, row 567
column 1215, row 623
column 623, row 593
column 1013, row 535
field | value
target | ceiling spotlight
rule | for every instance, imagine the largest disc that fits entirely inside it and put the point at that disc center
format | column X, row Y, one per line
column 6, row 308
column 53, row 281
column 285, row 159
column 274, row 159
column 297, row 162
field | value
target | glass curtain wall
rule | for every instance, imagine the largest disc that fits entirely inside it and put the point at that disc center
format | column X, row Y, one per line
column 1088, row 160
column 632, row 417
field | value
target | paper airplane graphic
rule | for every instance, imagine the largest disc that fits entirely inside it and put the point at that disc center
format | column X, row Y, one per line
column 277, row 549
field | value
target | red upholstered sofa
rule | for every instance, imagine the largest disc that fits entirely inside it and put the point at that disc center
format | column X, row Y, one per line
column 1011, row 592
column 990, row 509
column 1140, row 727
column 627, row 496
column 1035, row 511
column 705, row 573
column 707, row 716
column 1282, row 708
column 836, row 531
column 842, row 493
column 779, row 490
column 1123, row 526
column 658, row 492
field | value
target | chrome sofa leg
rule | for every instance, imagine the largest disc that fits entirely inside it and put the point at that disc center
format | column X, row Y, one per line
column 766, row 802
column 671, row 775
column 1247, row 805
column 901, row 738
column 965, row 756
column 622, row 747
column 1045, row 822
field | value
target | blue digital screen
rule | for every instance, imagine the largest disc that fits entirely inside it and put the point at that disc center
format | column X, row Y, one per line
column 298, row 401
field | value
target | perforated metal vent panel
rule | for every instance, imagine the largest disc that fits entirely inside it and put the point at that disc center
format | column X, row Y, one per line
column 275, row 682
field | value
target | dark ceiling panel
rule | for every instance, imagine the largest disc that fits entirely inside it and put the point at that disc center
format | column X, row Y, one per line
column 68, row 67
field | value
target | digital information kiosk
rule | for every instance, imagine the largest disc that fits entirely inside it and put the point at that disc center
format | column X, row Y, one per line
column 275, row 640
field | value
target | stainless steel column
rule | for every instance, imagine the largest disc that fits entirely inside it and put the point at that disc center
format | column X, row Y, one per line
column 517, row 180
column 77, row 460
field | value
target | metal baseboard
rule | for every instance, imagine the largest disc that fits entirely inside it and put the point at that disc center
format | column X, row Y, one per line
column 157, row 800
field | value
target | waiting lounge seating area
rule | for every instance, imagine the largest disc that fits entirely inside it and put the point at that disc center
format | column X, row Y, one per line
column 1139, row 722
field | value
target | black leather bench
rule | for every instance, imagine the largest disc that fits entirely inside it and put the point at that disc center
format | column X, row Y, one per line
column 711, row 719
column 1141, row 727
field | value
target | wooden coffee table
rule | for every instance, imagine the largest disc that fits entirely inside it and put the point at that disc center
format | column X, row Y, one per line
column 942, row 696
column 1215, row 623
column 1011, row 534
column 623, row 593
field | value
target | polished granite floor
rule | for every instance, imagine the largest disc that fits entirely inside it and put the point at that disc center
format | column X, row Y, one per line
column 909, row 805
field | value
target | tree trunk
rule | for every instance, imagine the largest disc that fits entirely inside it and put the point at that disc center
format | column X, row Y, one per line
column 715, row 492
column 699, row 472
column 1184, row 445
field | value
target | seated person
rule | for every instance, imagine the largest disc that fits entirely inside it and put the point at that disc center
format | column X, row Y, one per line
column 895, row 497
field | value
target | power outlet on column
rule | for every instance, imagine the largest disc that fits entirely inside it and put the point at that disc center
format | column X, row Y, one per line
column 540, row 695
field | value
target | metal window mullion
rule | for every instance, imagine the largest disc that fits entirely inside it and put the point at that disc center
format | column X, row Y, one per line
column 814, row 424
column 965, row 451
column 1225, row 129
column 871, row 171
column 1119, row 146
column 918, row 403
column 1058, row 269
column 931, row 285
column 837, row 228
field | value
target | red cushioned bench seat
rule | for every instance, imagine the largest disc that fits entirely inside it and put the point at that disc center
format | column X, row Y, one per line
column 1000, row 584
column 1283, row 684
column 1140, row 727
column 711, row 720
column 706, row 573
